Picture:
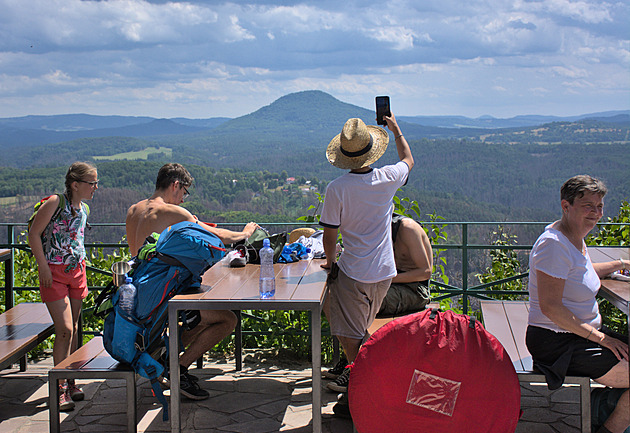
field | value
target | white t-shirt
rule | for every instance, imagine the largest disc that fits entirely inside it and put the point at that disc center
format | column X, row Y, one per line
column 556, row 256
column 360, row 205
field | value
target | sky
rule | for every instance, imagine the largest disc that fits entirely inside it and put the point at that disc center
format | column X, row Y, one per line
column 202, row 59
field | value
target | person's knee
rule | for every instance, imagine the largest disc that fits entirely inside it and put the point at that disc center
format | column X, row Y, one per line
column 63, row 332
column 224, row 318
column 230, row 319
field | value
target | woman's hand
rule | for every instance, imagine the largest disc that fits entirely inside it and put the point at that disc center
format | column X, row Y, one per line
column 45, row 275
column 618, row 347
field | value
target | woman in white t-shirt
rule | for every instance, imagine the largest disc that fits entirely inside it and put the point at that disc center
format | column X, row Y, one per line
column 565, row 334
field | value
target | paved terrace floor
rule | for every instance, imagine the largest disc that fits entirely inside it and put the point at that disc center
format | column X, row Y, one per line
column 269, row 395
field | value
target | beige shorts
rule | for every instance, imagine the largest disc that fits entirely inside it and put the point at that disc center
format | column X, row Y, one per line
column 353, row 305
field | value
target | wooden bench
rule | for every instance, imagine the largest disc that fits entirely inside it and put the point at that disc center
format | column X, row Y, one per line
column 22, row 328
column 381, row 321
column 91, row 361
column 507, row 321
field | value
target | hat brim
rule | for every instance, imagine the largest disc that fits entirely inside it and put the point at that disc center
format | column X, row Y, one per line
column 302, row 231
column 380, row 139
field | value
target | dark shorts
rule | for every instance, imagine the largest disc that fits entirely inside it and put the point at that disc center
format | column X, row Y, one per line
column 560, row 354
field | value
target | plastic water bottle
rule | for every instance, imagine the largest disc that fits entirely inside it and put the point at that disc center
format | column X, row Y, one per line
column 127, row 301
column 267, row 283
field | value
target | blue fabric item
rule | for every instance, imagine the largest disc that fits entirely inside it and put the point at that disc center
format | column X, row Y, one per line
column 293, row 252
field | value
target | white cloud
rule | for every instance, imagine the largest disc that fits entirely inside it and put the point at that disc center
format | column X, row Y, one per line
column 172, row 58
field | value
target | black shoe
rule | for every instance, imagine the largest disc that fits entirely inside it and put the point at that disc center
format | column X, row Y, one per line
column 341, row 383
column 342, row 408
column 190, row 389
column 334, row 372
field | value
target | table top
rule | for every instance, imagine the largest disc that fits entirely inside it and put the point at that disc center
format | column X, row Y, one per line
column 616, row 291
column 5, row 254
column 301, row 282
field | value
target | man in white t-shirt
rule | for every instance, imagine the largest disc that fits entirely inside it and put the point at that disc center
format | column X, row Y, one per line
column 359, row 204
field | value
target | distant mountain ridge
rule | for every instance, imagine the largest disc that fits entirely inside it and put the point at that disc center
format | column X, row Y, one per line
column 82, row 122
column 289, row 128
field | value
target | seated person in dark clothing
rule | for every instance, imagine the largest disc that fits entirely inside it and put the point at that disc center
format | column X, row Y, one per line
column 409, row 290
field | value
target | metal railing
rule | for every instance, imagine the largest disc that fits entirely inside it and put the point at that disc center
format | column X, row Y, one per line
column 442, row 289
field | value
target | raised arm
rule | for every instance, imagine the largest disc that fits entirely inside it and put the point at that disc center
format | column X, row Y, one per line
column 404, row 151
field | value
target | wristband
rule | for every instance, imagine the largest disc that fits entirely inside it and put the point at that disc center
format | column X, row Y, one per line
column 589, row 334
column 400, row 135
column 623, row 265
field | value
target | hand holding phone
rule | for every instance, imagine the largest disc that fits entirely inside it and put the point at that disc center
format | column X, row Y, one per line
column 382, row 109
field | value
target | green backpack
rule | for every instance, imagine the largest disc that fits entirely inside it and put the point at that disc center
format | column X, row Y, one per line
column 255, row 242
column 60, row 206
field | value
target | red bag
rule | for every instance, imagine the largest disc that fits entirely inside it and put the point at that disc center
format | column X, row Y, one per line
column 434, row 371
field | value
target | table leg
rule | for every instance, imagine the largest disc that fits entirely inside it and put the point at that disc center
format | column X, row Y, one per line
column 238, row 341
column 173, row 359
column 316, row 351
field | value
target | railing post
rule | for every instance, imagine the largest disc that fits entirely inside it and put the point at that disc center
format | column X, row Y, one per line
column 465, row 268
column 8, row 271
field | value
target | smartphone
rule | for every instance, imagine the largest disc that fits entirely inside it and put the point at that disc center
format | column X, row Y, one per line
column 382, row 109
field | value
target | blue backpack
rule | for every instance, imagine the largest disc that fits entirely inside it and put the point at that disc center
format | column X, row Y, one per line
column 182, row 253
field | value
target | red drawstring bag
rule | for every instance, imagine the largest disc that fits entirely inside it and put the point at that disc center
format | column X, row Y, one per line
column 434, row 371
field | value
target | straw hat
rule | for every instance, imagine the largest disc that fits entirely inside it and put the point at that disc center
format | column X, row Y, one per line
column 297, row 233
column 358, row 145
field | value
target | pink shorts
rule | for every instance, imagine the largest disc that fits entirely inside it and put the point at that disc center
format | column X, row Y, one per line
column 72, row 284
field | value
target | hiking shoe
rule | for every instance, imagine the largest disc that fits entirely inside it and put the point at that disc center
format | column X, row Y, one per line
column 65, row 401
column 341, row 383
column 236, row 259
column 190, row 389
column 334, row 372
column 342, row 407
column 76, row 393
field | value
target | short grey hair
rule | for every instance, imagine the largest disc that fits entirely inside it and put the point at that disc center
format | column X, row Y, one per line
column 578, row 185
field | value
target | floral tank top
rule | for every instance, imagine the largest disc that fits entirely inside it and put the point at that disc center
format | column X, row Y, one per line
column 63, row 239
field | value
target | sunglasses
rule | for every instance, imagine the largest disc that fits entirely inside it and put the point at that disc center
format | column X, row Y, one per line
column 91, row 183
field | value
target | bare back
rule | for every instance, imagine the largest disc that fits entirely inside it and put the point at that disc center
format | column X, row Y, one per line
column 152, row 215
column 412, row 252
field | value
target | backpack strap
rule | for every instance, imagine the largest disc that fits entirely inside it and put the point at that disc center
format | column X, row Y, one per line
column 172, row 261
column 396, row 219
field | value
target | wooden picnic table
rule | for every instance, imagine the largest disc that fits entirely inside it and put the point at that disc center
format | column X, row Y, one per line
column 615, row 291
column 299, row 286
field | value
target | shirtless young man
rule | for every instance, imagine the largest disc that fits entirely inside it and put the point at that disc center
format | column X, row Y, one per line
column 155, row 214
column 412, row 253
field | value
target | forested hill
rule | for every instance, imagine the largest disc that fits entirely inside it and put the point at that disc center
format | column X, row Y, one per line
column 461, row 173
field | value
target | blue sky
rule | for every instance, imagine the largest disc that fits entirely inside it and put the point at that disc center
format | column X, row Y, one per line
column 201, row 59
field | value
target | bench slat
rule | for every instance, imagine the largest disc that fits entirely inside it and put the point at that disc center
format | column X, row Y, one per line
column 90, row 356
column 518, row 313
column 91, row 361
column 496, row 322
column 507, row 321
column 21, row 329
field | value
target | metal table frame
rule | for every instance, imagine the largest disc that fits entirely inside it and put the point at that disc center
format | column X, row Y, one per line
column 314, row 306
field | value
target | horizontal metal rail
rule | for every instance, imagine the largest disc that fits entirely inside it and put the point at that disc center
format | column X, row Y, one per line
column 443, row 291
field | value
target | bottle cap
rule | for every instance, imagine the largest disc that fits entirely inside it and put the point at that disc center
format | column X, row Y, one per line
column 128, row 279
column 266, row 242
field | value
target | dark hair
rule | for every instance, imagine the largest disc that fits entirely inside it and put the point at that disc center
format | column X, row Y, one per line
column 172, row 172
column 76, row 172
column 578, row 185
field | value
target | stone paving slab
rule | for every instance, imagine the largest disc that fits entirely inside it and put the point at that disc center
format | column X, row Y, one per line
column 262, row 398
